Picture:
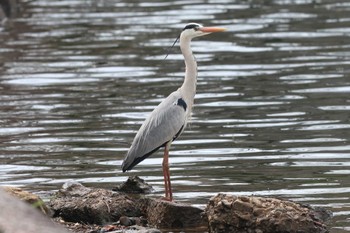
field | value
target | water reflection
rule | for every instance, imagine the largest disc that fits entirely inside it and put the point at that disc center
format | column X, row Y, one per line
column 270, row 118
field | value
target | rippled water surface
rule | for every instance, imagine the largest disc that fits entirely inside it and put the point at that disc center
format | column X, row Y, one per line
column 271, row 116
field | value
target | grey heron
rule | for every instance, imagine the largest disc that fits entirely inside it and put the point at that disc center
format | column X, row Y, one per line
column 168, row 120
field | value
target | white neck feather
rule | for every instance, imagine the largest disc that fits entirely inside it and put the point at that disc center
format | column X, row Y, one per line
column 188, row 88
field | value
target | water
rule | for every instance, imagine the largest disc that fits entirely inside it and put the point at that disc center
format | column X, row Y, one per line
column 271, row 113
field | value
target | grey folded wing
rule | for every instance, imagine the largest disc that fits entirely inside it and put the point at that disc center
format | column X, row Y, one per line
column 164, row 124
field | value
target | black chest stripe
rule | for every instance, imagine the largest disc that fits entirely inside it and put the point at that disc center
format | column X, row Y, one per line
column 178, row 133
column 182, row 103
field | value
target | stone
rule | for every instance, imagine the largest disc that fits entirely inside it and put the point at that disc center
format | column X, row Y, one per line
column 121, row 212
column 129, row 221
column 172, row 215
column 134, row 184
column 20, row 217
column 76, row 203
column 243, row 214
column 30, row 198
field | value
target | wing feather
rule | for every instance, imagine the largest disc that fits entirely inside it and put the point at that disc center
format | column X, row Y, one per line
column 165, row 123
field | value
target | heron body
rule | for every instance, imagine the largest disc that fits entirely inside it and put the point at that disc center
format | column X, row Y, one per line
column 168, row 120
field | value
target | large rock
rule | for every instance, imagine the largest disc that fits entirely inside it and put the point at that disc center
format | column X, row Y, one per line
column 30, row 198
column 76, row 203
column 242, row 214
column 172, row 215
column 224, row 213
column 20, row 217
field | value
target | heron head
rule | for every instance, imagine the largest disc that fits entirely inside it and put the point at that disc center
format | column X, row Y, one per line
column 193, row 30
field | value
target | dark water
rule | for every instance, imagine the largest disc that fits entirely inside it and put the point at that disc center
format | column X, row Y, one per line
column 271, row 113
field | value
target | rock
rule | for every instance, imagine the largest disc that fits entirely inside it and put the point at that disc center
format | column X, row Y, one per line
column 134, row 184
column 73, row 189
column 125, row 221
column 76, row 203
column 242, row 214
column 172, row 215
column 224, row 213
column 130, row 221
column 17, row 216
column 321, row 214
column 30, row 198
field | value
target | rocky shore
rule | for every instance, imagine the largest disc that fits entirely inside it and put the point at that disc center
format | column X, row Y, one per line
column 91, row 210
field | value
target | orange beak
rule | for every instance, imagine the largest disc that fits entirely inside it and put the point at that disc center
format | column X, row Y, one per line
column 211, row 29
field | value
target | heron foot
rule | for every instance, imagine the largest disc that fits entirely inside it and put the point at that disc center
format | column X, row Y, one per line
column 166, row 199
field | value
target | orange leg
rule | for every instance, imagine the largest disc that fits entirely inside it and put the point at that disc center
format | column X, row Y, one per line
column 166, row 173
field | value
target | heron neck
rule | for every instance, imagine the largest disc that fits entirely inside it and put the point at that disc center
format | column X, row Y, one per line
column 190, row 82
